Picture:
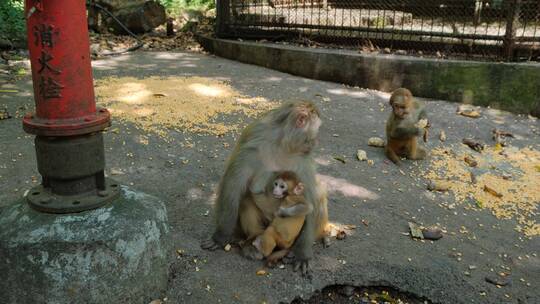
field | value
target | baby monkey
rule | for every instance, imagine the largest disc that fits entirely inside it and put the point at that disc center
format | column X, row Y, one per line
column 406, row 122
column 288, row 220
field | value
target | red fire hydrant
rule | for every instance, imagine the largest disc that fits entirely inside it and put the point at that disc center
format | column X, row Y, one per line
column 67, row 124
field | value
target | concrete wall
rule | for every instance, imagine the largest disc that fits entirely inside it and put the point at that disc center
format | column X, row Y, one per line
column 509, row 86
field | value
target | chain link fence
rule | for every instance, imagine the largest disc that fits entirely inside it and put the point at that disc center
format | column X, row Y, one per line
column 486, row 29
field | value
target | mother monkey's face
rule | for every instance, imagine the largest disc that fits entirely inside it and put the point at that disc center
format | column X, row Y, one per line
column 301, row 131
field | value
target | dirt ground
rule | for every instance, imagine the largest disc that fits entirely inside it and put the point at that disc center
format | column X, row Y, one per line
column 184, row 167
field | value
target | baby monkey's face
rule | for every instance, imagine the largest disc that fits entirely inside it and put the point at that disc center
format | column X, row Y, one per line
column 280, row 188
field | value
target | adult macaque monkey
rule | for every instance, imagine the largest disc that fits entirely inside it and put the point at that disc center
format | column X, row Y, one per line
column 406, row 122
column 280, row 141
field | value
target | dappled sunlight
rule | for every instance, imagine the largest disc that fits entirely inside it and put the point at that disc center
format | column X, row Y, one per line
column 206, row 90
column 170, row 56
column 346, row 188
column 105, row 64
column 348, row 92
column 323, row 160
column 187, row 64
column 195, row 194
column 273, row 79
column 183, row 104
column 132, row 93
column 144, row 112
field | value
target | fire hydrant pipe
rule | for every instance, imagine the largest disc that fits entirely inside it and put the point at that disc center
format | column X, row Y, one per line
column 61, row 70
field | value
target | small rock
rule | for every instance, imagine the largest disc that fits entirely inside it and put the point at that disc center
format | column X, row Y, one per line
column 346, row 291
column 432, row 233
column 387, row 51
column 116, row 172
column 4, row 114
column 361, row 155
column 95, row 48
column 261, row 272
column 156, row 302
column 497, row 280
column 442, row 136
column 370, row 162
column 401, row 52
column 472, row 267
column 376, row 142
column 227, row 247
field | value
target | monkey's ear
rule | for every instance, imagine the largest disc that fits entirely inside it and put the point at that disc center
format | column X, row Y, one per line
column 299, row 189
column 301, row 119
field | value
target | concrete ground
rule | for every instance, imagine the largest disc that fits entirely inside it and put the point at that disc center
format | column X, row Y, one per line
column 376, row 254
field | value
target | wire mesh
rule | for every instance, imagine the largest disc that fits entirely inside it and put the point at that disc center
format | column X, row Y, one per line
column 490, row 29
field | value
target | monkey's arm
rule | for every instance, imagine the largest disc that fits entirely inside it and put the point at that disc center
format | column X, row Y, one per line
column 421, row 110
column 232, row 189
column 303, row 246
column 296, row 210
column 404, row 132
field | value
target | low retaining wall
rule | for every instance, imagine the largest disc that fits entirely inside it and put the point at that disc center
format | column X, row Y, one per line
column 508, row 86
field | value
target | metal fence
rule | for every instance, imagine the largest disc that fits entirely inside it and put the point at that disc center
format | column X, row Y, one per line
column 491, row 29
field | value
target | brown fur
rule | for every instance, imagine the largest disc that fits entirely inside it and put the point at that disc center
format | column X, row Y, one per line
column 401, row 130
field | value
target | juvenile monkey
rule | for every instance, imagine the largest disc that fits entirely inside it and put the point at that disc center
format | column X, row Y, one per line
column 288, row 219
column 282, row 140
column 406, row 122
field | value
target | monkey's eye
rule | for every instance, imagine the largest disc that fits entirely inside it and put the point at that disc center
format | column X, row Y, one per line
column 275, row 184
column 282, row 186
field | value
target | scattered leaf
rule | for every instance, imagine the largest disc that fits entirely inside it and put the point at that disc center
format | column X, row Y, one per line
column 341, row 235
column 8, row 91
column 470, row 114
column 376, row 142
column 476, row 146
column 349, row 227
column 439, row 185
column 470, row 161
column 492, row 191
column 442, row 136
column 340, row 159
column 416, row 231
column 261, row 272
column 361, row 155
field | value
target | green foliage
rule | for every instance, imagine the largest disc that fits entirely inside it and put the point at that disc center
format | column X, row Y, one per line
column 12, row 23
column 175, row 7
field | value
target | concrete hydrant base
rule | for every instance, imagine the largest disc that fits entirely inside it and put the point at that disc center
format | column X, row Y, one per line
column 114, row 254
